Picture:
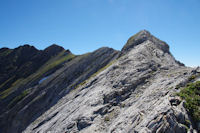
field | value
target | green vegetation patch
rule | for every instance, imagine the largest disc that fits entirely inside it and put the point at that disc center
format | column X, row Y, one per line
column 95, row 74
column 110, row 116
column 107, row 118
column 6, row 52
column 192, row 77
column 5, row 93
column 59, row 59
column 131, row 39
column 55, row 61
column 18, row 98
column 103, row 68
column 191, row 94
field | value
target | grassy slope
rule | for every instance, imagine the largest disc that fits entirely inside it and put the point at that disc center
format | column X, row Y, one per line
column 93, row 75
column 55, row 61
column 191, row 94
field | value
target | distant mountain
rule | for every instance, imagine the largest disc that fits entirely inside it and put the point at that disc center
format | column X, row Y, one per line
column 23, row 61
column 19, row 64
column 141, row 88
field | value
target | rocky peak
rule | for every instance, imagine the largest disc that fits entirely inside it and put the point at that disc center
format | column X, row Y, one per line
column 26, row 47
column 23, row 61
column 132, row 93
column 3, row 49
column 53, row 49
column 141, row 37
column 101, row 91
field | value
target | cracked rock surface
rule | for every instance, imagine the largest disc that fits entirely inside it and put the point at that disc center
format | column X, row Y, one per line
column 135, row 94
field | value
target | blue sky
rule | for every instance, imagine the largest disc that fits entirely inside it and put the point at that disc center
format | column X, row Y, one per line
column 85, row 25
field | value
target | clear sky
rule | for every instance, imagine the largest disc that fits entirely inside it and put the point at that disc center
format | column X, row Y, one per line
column 85, row 25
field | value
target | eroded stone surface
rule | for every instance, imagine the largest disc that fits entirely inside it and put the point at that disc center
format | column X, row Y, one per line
column 134, row 94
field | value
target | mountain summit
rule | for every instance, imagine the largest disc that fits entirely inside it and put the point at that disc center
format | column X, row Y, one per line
column 132, row 90
column 143, row 36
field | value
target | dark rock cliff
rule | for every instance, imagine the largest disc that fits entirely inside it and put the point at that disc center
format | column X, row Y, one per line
column 22, row 61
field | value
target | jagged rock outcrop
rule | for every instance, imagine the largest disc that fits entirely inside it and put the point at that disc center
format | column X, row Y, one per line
column 46, row 93
column 134, row 94
column 141, row 37
column 22, row 61
column 18, row 65
column 53, row 50
column 109, row 91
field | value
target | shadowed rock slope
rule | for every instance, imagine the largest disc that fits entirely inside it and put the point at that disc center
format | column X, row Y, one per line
column 22, row 61
column 16, row 69
column 32, row 96
column 109, row 91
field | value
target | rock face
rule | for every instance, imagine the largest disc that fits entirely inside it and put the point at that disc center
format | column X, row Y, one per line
column 20, row 68
column 108, row 91
column 22, row 61
column 42, row 96
column 141, row 37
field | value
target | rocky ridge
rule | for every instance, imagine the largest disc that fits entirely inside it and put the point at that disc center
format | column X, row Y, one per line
column 17, row 67
column 126, row 91
column 40, row 96
column 23, row 61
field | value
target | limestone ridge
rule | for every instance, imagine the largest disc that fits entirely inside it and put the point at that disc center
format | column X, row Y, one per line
column 133, row 94
column 144, row 36
column 141, row 37
column 105, row 91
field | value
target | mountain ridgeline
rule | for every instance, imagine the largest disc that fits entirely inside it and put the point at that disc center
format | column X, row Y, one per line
column 140, row 89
